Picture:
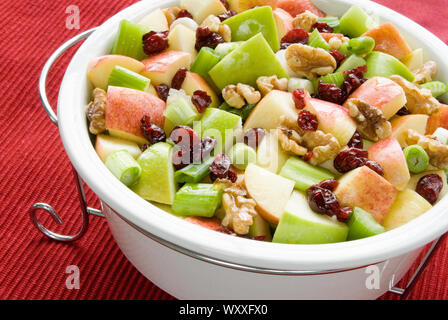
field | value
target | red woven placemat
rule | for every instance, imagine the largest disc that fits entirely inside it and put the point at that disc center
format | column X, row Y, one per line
column 34, row 167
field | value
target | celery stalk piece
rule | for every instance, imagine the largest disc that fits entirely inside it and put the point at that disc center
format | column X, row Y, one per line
column 437, row 88
column 355, row 22
column 361, row 45
column 194, row 173
column 123, row 166
column 197, row 200
column 128, row 40
column 344, row 49
column 337, row 78
column 316, row 41
column 351, row 62
column 244, row 112
column 304, row 174
column 331, row 21
column 206, row 59
column 362, row 225
column 416, row 158
column 122, row 77
column 180, row 112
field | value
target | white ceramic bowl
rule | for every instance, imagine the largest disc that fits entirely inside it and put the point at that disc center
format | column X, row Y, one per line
column 192, row 262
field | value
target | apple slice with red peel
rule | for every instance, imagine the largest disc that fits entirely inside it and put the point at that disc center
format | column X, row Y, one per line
column 162, row 67
column 383, row 94
column 283, row 22
column 388, row 154
column 333, row 119
column 438, row 120
column 400, row 125
column 99, row 69
column 270, row 191
column 125, row 109
column 364, row 188
column 193, row 82
column 295, row 7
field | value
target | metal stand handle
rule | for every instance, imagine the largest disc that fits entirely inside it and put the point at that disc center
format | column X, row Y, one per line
column 85, row 210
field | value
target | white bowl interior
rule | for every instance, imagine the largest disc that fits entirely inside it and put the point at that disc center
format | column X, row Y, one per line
column 75, row 95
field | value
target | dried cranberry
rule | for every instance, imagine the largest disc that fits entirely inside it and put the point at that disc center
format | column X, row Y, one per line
column 403, row 111
column 184, row 14
column 207, row 146
column 294, row 36
column 227, row 15
column 207, row 38
column 181, row 158
column 155, row 42
column 151, row 132
column 299, row 97
column 307, row 121
column 220, row 168
column 253, row 137
column 232, row 176
column 144, row 147
column 185, row 137
column 322, row 200
column 356, row 141
column 307, row 157
column 429, row 187
column 201, row 100
column 344, row 214
column 162, row 91
column 375, row 166
column 258, row 238
column 339, row 57
column 349, row 159
column 322, row 27
column 330, row 92
column 224, row 230
column 329, row 184
column 179, row 78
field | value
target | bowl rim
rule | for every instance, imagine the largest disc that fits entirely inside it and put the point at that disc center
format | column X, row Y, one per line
column 350, row 254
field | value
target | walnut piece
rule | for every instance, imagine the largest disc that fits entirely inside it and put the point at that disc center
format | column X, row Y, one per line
column 239, row 207
column 370, row 120
column 437, row 151
column 267, row 84
column 335, row 43
column 171, row 14
column 96, row 112
column 235, row 96
column 305, row 21
column 426, row 72
column 290, row 141
column 419, row 100
column 309, row 62
column 214, row 24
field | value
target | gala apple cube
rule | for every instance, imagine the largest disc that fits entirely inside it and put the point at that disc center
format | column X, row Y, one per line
column 243, row 5
column 283, row 21
column 270, row 154
column 438, row 120
column 193, row 82
column 201, row 9
column 125, row 109
column 295, row 7
column 365, row 189
column 155, row 21
column 182, row 38
column 383, row 94
column 391, row 158
column 162, row 67
column 106, row 145
column 400, row 125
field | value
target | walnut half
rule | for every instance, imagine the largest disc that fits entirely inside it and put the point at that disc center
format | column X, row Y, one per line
column 305, row 21
column 370, row 120
column 426, row 72
column 437, row 151
column 267, row 84
column 235, row 96
column 309, row 62
column 96, row 112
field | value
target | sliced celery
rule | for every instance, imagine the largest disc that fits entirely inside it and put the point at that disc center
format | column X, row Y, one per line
column 362, row 225
column 316, row 41
column 337, row 78
column 197, row 200
column 180, row 112
column 361, row 45
column 304, row 174
column 122, row 77
column 437, row 88
column 355, row 22
column 244, row 112
column 206, row 59
column 128, row 40
column 351, row 62
column 123, row 166
column 344, row 49
column 194, row 173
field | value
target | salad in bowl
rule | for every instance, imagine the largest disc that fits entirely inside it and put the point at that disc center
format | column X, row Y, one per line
column 272, row 120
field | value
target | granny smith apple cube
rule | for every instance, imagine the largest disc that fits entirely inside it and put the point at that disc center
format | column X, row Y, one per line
column 194, row 199
column 362, row 225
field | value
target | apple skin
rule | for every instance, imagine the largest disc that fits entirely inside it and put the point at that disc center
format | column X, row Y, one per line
column 99, row 69
column 267, row 114
column 182, row 38
column 295, row 7
column 300, row 225
column 364, row 188
column 391, row 158
column 438, row 120
column 252, row 59
column 383, row 94
column 125, row 109
column 249, row 23
column 201, row 9
column 400, row 125
column 162, row 67
column 283, row 21
column 263, row 186
column 193, row 82
column 106, row 145
column 155, row 21
column 408, row 206
column 213, row 223
column 333, row 119
column 243, row 5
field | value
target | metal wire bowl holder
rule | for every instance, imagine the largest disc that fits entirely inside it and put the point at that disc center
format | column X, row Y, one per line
column 86, row 211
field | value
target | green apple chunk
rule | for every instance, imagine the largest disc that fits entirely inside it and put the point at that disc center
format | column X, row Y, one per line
column 206, row 59
column 225, row 48
column 252, row 59
column 355, row 22
column 157, row 178
column 384, row 65
column 241, row 155
column 248, row 23
column 220, row 125
column 260, row 227
column 300, row 225
column 362, row 225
